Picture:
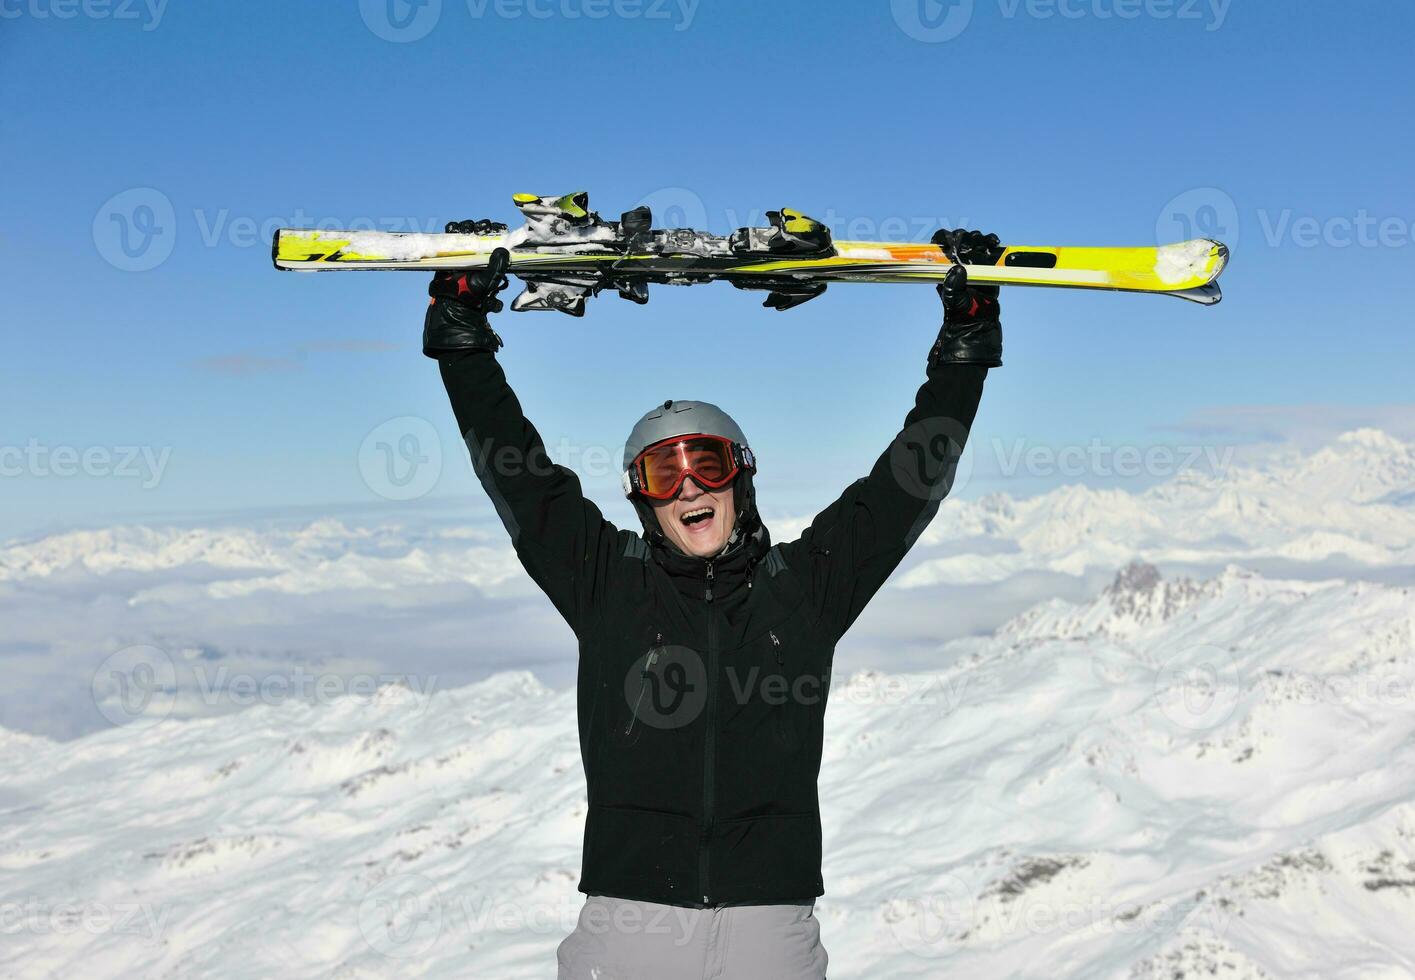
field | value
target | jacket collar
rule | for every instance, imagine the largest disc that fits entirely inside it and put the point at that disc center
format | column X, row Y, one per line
column 730, row 569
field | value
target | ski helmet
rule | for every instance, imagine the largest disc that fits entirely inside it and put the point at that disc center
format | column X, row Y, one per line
column 681, row 418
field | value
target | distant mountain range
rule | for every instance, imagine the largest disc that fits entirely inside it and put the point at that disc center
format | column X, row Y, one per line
column 1174, row 779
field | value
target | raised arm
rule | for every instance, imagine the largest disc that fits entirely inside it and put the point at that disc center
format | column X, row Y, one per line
column 853, row 546
column 562, row 539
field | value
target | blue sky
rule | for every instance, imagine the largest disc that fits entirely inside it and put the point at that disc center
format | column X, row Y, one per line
column 209, row 384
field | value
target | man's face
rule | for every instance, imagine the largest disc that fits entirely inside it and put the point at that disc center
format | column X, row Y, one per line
column 684, row 523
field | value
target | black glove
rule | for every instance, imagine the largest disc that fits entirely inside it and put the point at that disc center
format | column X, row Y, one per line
column 456, row 317
column 972, row 331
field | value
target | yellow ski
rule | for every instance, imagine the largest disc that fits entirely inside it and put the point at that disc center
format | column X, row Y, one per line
column 566, row 253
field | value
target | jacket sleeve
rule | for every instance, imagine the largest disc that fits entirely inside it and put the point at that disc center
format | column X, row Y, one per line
column 561, row 538
column 853, row 546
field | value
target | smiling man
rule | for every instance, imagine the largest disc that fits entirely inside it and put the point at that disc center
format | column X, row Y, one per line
column 705, row 650
column 682, row 464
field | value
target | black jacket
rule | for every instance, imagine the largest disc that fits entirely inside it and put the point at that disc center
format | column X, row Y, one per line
column 702, row 684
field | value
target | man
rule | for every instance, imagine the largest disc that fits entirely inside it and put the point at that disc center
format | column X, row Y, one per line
column 705, row 650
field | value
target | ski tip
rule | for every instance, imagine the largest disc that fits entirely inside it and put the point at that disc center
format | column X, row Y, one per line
column 1209, row 294
column 1190, row 270
column 275, row 251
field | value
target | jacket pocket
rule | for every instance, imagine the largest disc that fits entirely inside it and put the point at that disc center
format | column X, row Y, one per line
column 645, row 674
column 785, row 717
column 631, row 687
column 800, row 679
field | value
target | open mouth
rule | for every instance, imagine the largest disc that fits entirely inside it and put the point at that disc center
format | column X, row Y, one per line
column 697, row 520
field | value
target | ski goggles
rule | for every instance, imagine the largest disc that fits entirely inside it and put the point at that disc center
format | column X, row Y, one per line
column 659, row 471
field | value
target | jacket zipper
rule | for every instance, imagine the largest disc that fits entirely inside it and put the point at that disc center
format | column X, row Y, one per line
column 709, row 747
column 644, row 684
column 781, row 666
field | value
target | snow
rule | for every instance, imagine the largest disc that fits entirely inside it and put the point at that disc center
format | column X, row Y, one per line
column 325, row 555
column 412, row 246
column 1199, row 763
column 1172, row 778
column 1342, row 502
column 1183, row 261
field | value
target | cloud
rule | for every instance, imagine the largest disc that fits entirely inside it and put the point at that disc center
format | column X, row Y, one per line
column 349, row 347
column 245, row 365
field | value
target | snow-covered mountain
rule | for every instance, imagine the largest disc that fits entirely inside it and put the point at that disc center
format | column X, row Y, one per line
column 449, row 602
column 322, row 556
column 1203, row 771
column 1353, row 498
column 1172, row 779
column 1350, row 504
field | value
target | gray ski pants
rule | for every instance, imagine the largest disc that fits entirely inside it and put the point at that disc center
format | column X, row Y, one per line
column 618, row 939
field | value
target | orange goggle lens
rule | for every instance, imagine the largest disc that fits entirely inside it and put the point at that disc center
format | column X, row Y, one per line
column 663, row 468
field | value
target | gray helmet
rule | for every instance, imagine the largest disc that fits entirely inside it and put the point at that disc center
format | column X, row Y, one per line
column 680, row 418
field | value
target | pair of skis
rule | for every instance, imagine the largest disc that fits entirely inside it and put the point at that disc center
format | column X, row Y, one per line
column 565, row 253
